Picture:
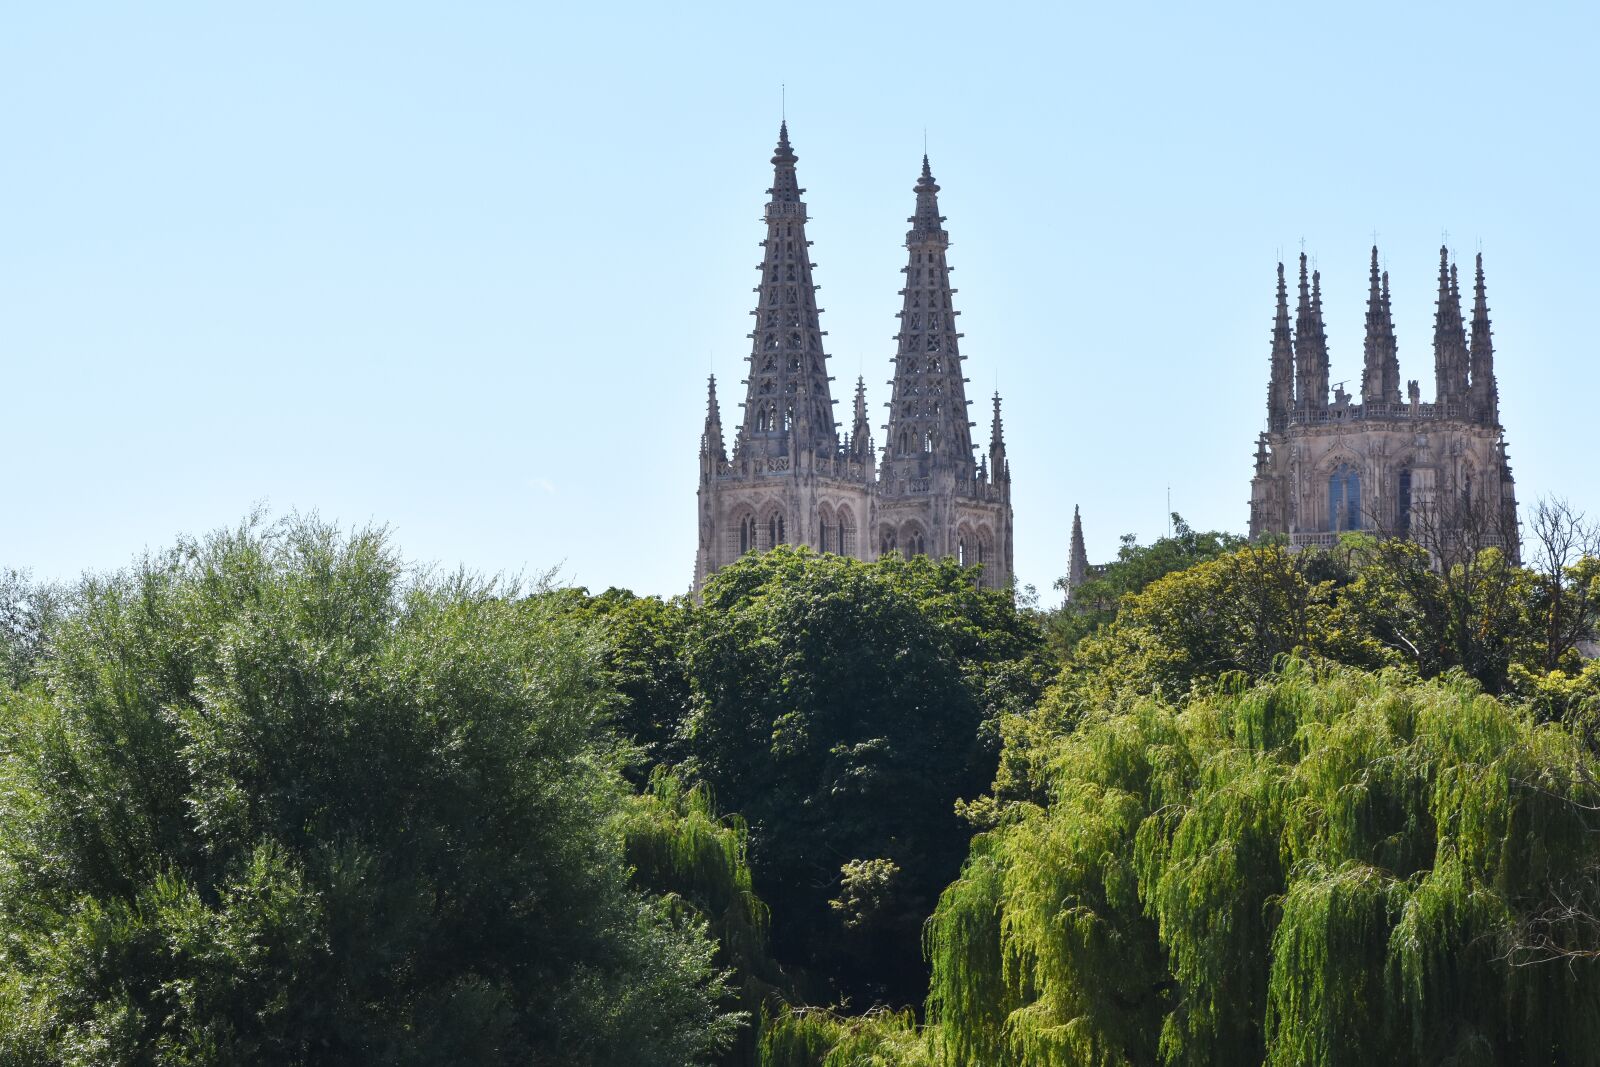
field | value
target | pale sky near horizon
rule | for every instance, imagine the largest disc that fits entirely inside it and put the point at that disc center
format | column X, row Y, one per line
column 463, row 269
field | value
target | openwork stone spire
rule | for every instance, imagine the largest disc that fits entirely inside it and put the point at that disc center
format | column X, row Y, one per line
column 928, row 423
column 1449, row 337
column 788, row 404
column 1310, row 345
column 1280, row 385
column 1380, row 383
column 1485, row 392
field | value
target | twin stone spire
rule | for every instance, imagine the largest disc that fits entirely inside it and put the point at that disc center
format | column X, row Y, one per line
column 795, row 476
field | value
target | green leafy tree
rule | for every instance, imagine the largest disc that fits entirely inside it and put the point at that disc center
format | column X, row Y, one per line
column 27, row 610
column 1237, row 613
column 1095, row 602
column 271, row 803
column 843, row 708
column 645, row 652
column 1323, row 868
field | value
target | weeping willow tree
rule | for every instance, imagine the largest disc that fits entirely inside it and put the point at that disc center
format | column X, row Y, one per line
column 1321, row 869
column 679, row 846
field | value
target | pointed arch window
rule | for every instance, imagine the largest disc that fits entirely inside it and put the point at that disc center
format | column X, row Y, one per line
column 1344, row 498
column 847, row 532
column 747, row 534
column 1403, row 501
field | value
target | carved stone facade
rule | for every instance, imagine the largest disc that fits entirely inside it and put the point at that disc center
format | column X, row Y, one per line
column 795, row 479
column 1435, row 472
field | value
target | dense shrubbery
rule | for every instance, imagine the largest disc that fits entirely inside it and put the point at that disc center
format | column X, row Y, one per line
column 267, row 804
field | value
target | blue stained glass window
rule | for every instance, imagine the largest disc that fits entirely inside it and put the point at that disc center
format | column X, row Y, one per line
column 1344, row 498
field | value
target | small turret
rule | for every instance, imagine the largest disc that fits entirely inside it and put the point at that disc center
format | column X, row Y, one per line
column 1449, row 338
column 1484, row 391
column 713, row 455
column 1380, row 381
column 861, row 433
column 1280, row 384
column 1310, row 345
column 999, row 466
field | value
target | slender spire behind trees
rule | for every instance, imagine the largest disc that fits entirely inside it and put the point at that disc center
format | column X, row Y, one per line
column 1078, row 556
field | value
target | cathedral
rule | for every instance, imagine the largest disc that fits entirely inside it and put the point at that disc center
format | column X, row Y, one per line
column 795, row 477
column 1435, row 472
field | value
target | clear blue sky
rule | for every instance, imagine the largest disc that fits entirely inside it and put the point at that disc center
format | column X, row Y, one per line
column 463, row 268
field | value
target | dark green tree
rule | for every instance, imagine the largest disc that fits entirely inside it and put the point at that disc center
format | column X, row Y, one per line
column 645, row 654
column 272, row 803
column 843, row 708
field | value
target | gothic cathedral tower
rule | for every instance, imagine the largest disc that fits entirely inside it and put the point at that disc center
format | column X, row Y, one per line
column 1437, row 473
column 795, row 479
column 933, row 497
